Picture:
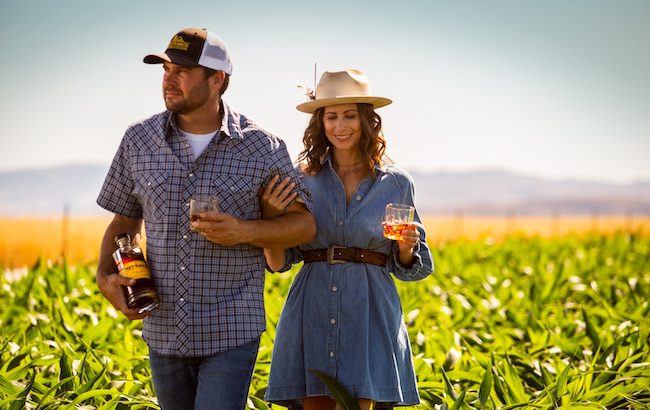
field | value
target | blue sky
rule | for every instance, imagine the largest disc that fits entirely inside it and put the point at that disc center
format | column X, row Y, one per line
column 556, row 89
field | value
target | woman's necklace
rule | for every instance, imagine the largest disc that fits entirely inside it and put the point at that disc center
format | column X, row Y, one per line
column 351, row 175
column 356, row 164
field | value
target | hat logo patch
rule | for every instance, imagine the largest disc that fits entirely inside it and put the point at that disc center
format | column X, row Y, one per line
column 179, row 43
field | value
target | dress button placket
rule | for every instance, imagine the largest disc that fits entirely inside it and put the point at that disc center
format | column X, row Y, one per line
column 334, row 309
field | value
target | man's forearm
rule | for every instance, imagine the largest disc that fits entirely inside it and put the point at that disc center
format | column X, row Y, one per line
column 111, row 285
column 284, row 231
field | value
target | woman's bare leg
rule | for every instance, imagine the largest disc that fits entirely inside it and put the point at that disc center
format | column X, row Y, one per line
column 365, row 404
column 318, row 403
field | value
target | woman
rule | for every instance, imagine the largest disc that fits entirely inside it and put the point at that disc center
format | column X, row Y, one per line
column 343, row 314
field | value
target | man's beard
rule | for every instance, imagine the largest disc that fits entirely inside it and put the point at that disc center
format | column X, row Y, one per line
column 196, row 98
column 177, row 107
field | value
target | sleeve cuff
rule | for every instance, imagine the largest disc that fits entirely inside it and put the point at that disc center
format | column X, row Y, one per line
column 400, row 269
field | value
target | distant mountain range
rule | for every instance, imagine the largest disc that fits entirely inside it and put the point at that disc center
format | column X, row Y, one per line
column 492, row 192
column 501, row 192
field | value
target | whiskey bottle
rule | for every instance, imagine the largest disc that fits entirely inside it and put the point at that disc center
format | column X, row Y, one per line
column 131, row 263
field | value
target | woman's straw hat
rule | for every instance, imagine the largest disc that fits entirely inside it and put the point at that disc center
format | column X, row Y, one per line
column 342, row 87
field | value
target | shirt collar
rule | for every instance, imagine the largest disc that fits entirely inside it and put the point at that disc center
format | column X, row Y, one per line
column 230, row 123
column 230, row 126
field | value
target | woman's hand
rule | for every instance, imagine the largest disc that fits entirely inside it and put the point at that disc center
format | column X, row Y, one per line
column 276, row 196
column 408, row 242
column 274, row 199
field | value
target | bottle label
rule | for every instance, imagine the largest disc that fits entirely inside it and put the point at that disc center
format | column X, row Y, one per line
column 134, row 269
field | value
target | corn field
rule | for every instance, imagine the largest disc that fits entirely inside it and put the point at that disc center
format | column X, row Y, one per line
column 523, row 323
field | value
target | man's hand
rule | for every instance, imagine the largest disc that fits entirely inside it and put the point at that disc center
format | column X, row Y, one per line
column 221, row 228
column 109, row 281
column 292, row 228
column 111, row 287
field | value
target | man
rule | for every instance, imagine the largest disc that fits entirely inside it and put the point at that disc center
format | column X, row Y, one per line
column 204, row 336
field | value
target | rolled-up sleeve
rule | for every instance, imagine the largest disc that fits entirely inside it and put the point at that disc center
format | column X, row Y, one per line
column 422, row 259
column 291, row 257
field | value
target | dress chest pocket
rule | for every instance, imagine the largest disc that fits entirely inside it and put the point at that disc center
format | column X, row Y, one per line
column 237, row 196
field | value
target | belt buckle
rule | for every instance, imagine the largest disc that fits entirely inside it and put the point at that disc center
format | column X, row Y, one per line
column 330, row 255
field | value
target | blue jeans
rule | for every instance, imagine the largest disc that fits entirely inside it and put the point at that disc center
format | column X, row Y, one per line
column 213, row 382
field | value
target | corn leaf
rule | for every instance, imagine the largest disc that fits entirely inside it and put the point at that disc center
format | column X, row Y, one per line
column 340, row 394
column 65, row 372
column 460, row 401
column 591, row 331
column 21, row 398
column 448, row 386
column 486, row 386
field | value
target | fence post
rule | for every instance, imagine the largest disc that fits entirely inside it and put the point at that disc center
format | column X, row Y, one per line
column 459, row 223
column 555, row 223
column 65, row 231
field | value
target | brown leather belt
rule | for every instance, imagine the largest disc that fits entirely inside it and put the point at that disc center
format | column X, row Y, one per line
column 342, row 254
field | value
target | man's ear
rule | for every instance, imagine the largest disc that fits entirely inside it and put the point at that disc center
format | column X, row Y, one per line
column 218, row 78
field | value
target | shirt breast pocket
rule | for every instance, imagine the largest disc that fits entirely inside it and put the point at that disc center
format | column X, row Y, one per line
column 151, row 188
column 237, row 196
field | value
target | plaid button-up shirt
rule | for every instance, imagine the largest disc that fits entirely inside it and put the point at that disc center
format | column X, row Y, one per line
column 211, row 295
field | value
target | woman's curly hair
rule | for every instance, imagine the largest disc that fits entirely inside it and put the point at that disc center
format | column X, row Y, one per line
column 372, row 144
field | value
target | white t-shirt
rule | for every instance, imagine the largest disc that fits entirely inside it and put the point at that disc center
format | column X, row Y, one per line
column 198, row 142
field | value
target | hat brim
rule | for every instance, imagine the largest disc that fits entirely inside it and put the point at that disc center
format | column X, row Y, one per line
column 311, row 106
column 169, row 58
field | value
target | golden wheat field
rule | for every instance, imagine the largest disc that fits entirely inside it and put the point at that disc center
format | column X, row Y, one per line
column 24, row 240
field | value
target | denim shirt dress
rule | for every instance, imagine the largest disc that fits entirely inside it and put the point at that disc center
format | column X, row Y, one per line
column 346, row 319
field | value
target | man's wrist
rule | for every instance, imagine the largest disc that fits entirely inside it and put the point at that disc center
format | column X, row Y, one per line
column 248, row 232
